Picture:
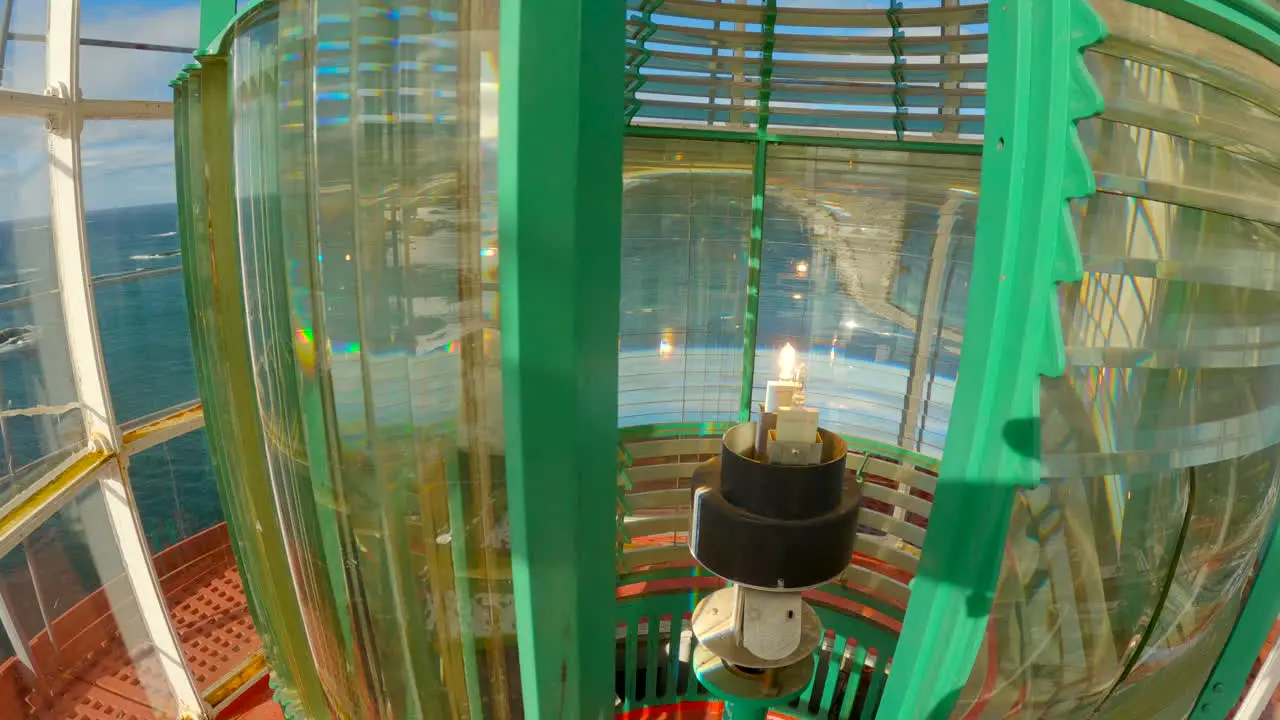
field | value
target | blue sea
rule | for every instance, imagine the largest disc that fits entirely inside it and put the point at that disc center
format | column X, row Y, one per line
column 142, row 320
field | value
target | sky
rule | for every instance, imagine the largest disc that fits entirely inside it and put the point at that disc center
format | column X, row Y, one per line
column 125, row 163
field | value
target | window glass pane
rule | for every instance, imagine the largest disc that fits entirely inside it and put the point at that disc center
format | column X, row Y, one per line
column 109, row 73
column 865, row 272
column 161, row 22
column 131, row 222
column 22, row 64
column 685, row 240
column 78, row 623
column 178, row 502
column 39, row 424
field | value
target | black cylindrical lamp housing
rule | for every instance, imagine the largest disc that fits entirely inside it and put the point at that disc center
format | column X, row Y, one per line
column 774, row 527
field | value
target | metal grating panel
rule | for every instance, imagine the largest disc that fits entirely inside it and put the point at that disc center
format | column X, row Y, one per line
column 908, row 69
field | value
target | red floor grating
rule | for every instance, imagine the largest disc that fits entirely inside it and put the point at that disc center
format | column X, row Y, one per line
column 214, row 628
column 90, row 675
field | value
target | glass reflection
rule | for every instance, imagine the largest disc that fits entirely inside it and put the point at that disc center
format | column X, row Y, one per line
column 260, row 209
column 867, row 258
column 178, row 505
column 40, row 424
column 366, row 174
column 22, row 47
column 1126, row 568
column 686, row 232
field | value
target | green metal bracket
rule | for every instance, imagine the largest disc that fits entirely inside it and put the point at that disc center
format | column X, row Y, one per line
column 637, row 56
column 1033, row 163
column 899, row 62
column 561, row 250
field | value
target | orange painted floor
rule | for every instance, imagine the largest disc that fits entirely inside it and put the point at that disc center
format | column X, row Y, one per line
column 90, row 673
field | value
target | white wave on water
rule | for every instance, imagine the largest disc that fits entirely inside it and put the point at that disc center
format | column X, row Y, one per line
column 164, row 235
column 157, row 256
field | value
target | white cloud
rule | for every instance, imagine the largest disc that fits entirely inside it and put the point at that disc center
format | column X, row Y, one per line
column 24, row 174
column 137, row 74
column 127, row 163
column 124, row 162
column 171, row 23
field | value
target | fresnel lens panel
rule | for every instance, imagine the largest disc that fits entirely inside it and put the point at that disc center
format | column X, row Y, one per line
column 865, row 359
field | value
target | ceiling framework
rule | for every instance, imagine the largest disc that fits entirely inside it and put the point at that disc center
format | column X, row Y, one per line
column 899, row 73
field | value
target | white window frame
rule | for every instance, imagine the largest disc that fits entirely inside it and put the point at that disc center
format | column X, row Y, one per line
column 105, row 460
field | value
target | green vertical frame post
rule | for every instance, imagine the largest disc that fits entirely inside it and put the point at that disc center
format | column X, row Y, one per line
column 1033, row 163
column 755, row 257
column 560, row 207
column 755, row 254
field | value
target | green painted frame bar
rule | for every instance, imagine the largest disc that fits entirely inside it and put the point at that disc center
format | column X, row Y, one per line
column 560, row 219
column 683, row 133
column 755, row 253
column 755, row 256
column 1033, row 163
column 214, row 17
column 1250, row 23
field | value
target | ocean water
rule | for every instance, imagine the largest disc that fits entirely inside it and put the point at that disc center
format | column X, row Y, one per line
column 142, row 320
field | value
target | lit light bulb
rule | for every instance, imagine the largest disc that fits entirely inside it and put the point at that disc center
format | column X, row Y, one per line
column 802, row 268
column 664, row 348
column 787, row 363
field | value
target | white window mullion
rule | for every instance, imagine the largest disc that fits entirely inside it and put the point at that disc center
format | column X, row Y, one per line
column 122, row 515
column 70, row 249
column 156, row 634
